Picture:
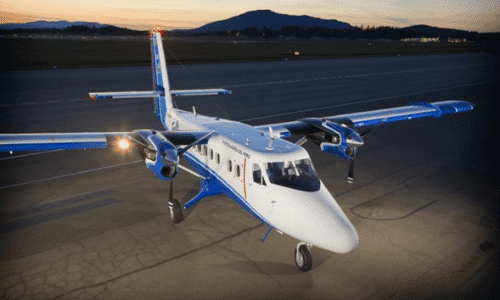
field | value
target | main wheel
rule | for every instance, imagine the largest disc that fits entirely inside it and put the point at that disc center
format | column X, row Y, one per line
column 175, row 211
column 303, row 258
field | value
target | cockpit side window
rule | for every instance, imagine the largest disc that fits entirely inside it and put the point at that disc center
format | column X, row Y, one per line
column 298, row 174
column 257, row 175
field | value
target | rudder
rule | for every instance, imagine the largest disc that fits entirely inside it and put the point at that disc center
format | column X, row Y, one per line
column 160, row 78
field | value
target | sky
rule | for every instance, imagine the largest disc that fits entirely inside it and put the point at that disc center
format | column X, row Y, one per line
column 471, row 15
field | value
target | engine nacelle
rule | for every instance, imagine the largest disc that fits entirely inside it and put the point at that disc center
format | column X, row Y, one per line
column 340, row 140
column 163, row 159
column 341, row 150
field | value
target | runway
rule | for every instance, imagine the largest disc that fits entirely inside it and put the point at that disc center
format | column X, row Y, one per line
column 94, row 224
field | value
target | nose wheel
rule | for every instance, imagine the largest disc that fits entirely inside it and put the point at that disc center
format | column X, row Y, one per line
column 303, row 258
column 174, row 207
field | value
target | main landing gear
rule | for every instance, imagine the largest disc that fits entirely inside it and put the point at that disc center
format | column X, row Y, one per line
column 303, row 258
column 174, row 207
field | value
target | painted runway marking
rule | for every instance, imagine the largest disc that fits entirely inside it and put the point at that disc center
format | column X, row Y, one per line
column 66, row 175
column 24, row 155
column 50, row 216
column 46, row 102
column 364, row 101
column 346, row 76
column 35, row 208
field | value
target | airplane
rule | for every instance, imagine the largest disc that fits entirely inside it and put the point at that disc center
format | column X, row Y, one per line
column 256, row 166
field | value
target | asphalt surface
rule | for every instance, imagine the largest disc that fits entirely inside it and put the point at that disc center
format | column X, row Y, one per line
column 94, row 224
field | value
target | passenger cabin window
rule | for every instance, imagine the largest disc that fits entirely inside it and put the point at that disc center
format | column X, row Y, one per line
column 198, row 148
column 238, row 171
column 217, row 158
column 204, row 150
column 257, row 175
column 211, row 154
column 298, row 174
column 229, row 165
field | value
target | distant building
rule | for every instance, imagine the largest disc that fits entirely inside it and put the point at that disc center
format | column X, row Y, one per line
column 457, row 40
column 421, row 40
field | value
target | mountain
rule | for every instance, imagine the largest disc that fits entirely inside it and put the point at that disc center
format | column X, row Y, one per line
column 48, row 25
column 270, row 19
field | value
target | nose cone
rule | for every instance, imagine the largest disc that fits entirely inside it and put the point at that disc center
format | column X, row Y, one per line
column 317, row 219
column 330, row 228
column 340, row 238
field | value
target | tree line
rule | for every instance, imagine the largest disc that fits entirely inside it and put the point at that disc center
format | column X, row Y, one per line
column 369, row 32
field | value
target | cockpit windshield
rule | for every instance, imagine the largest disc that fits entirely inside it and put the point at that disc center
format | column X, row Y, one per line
column 298, row 174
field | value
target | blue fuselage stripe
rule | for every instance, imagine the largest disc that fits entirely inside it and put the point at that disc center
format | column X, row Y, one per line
column 226, row 188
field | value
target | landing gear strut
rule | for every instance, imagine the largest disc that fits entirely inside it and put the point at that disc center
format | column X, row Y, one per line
column 303, row 258
column 174, row 207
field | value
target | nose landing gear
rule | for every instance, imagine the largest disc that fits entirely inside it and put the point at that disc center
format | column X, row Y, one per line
column 303, row 258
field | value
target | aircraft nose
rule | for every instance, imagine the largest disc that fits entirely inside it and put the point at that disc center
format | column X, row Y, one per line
column 342, row 239
column 334, row 232
column 322, row 223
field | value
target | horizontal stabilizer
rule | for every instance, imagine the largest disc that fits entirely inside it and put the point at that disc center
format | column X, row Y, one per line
column 207, row 92
column 152, row 94
column 117, row 95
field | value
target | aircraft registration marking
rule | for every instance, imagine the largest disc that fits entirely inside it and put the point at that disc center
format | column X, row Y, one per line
column 236, row 149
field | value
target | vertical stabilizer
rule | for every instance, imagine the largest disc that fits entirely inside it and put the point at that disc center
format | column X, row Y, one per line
column 160, row 78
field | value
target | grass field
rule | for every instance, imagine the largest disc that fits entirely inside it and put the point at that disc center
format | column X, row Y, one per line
column 36, row 54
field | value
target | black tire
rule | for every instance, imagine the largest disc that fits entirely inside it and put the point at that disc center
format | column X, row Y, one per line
column 303, row 258
column 175, row 211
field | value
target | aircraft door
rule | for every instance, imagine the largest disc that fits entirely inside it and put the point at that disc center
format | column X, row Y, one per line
column 258, row 192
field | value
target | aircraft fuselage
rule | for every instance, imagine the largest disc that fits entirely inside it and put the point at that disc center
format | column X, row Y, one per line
column 273, row 179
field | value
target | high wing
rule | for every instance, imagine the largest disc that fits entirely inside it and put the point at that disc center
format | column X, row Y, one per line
column 369, row 118
column 336, row 134
column 88, row 140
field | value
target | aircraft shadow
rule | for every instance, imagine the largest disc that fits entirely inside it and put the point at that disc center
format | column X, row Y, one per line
column 276, row 268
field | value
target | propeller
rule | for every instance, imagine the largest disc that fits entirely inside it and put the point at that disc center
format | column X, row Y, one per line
column 350, row 176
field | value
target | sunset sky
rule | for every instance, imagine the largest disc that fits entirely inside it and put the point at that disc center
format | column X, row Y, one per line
column 472, row 15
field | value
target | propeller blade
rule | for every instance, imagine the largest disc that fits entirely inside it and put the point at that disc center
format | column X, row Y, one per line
column 181, row 151
column 350, row 177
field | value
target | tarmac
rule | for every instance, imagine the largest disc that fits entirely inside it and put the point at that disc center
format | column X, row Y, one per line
column 94, row 224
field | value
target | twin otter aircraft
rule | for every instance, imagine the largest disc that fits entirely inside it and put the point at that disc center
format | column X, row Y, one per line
column 270, row 177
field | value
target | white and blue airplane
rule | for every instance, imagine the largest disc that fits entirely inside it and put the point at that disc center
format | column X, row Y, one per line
column 270, row 177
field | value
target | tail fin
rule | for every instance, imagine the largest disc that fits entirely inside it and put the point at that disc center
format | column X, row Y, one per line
column 163, row 102
column 161, row 88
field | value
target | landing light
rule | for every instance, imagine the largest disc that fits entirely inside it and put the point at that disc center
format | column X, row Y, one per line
column 123, row 144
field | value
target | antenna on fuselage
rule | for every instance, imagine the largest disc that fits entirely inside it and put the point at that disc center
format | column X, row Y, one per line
column 271, row 139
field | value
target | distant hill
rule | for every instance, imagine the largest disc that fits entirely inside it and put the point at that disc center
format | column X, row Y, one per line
column 49, row 25
column 64, row 27
column 270, row 19
column 429, row 31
